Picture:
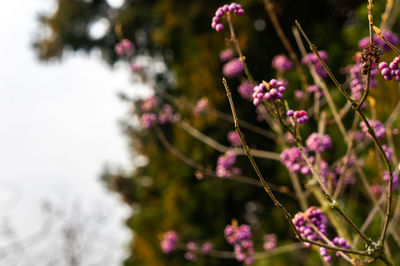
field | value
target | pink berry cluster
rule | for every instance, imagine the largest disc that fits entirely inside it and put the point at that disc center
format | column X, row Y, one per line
column 377, row 126
column 347, row 166
column 324, row 254
column 225, row 164
column 190, row 254
column 304, row 221
column 318, row 143
column 358, row 80
column 388, row 151
column 148, row 120
column 240, row 238
column 226, row 54
column 390, row 36
column 166, row 115
column 299, row 116
column 246, row 90
column 124, row 47
column 169, row 241
column 337, row 241
column 294, row 161
column 316, row 90
column 340, row 242
column 233, row 68
column 201, row 106
column 395, row 183
column 392, row 70
column 148, row 104
column 232, row 8
column 269, row 241
column 273, row 90
column 234, row 139
column 282, row 63
column 311, row 58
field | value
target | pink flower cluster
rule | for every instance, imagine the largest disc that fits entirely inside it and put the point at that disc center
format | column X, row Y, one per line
column 232, row 8
column 169, row 241
column 311, row 58
column 377, row 126
column 391, row 71
column 233, row 68
column 225, row 164
column 282, row 63
column 124, row 47
column 273, row 90
column 240, row 238
column 318, row 143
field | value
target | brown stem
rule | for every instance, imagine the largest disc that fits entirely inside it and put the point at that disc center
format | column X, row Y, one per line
column 269, row 7
column 267, row 188
column 238, row 50
column 370, row 131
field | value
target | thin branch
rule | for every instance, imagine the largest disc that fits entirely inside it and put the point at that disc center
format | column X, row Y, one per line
column 210, row 173
column 379, row 32
column 215, row 112
column 267, row 188
column 235, row 42
column 371, row 45
column 221, row 148
column 321, row 84
column 386, row 14
column 370, row 131
column 269, row 7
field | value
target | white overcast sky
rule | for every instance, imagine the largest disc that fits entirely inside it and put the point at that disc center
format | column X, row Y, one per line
column 58, row 125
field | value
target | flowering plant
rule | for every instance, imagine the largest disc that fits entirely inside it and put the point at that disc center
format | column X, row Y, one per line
column 305, row 131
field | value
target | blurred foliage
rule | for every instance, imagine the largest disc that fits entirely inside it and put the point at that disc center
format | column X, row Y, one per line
column 164, row 194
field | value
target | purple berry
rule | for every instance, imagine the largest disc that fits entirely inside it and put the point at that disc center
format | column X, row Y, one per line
column 240, row 12
column 385, row 72
column 382, row 65
column 219, row 27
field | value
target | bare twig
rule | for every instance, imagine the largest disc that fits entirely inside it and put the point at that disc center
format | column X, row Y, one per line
column 374, row 138
column 221, row 148
column 267, row 188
